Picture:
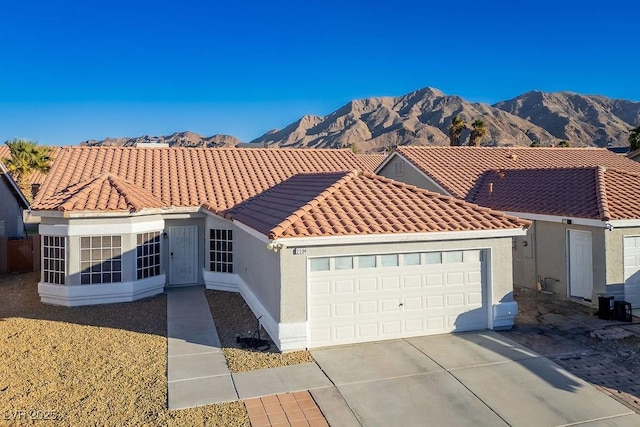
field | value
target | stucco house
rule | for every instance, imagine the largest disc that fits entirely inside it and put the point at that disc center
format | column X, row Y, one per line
column 12, row 206
column 584, row 204
column 325, row 252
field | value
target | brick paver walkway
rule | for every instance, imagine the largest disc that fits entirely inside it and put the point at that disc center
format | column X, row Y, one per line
column 610, row 378
column 290, row 409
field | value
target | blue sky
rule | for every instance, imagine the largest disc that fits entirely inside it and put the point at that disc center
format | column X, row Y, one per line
column 73, row 71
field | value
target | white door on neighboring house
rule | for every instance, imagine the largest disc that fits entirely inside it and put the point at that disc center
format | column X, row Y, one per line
column 580, row 264
column 632, row 270
column 183, row 255
column 523, row 262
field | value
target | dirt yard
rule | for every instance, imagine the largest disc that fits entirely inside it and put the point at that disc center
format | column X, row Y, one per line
column 98, row 365
column 233, row 317
column 605, row 353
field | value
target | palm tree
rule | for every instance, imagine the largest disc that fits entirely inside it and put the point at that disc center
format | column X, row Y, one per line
column 26, row 158
column 478, row 131
column 634, row 139
column 455, row 130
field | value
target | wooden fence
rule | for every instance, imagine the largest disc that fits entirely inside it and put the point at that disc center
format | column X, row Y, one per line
column 20, row 255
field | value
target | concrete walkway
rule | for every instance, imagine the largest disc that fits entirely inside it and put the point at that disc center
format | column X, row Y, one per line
column 477, row 379
column 197, row 371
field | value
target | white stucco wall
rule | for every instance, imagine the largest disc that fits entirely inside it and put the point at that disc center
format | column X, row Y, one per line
column 551, row 256
column 129, row 288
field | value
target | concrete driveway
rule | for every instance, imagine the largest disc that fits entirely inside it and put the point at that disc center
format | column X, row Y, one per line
column 476, row 379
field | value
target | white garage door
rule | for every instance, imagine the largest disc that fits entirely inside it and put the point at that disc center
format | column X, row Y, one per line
column 374, row 297
column 632, row 270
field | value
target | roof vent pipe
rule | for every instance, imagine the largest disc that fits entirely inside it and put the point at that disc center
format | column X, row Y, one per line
column 490, row 189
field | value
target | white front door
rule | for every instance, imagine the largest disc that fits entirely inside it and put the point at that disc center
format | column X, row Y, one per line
column 580, row 264
column 374, row 297
column 632, row 270
column 183, row 255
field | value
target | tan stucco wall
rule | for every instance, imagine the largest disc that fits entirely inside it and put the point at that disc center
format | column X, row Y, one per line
column 614, row 246
column 294, row 268
column 411, row 175
column 551, row 256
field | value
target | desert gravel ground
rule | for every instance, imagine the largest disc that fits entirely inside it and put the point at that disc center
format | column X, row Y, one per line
column 233, row 317
column 98, row 365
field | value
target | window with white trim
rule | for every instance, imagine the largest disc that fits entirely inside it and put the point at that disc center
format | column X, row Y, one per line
column 100, row 259
column 221, row 251
column 148, row 254
column 53, row 259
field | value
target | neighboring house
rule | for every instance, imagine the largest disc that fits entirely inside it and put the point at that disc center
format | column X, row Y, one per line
column 584, row 204
column 12, row 206
column 634, row 155
column 325, row 252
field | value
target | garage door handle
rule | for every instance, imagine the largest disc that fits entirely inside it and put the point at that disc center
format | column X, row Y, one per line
column 401, row 304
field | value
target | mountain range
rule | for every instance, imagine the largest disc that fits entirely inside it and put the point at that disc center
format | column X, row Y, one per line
column 423, row 117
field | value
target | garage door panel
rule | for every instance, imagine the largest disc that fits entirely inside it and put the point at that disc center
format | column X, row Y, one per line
column 474, row 277
column 435, row 324
column 368, row 330
column 413, row 326
column 474, row 299
column 344, row 309
column 390, row 283
column 455, row 300
column 410, row 282
column 454, row 279
column 368, row 307
column 435, row 301
column 345, row 333
column 451, row 322
column 368, row 285
column 391, row 328
column 390, row 305
column 320, row 335
column 344, row 287
column 387, row 302
column 413, row 303
column 320, row 311
column 434, row 280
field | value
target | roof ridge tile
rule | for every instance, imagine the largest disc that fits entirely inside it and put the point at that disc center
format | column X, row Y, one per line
column 601, row 194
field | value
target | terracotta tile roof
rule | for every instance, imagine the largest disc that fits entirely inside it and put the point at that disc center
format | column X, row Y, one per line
column 106, row 192
column 349, row 203
column 457, row 169
column 190, row 177
column 590, row 192
column 370, row 162
column 37, row 177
